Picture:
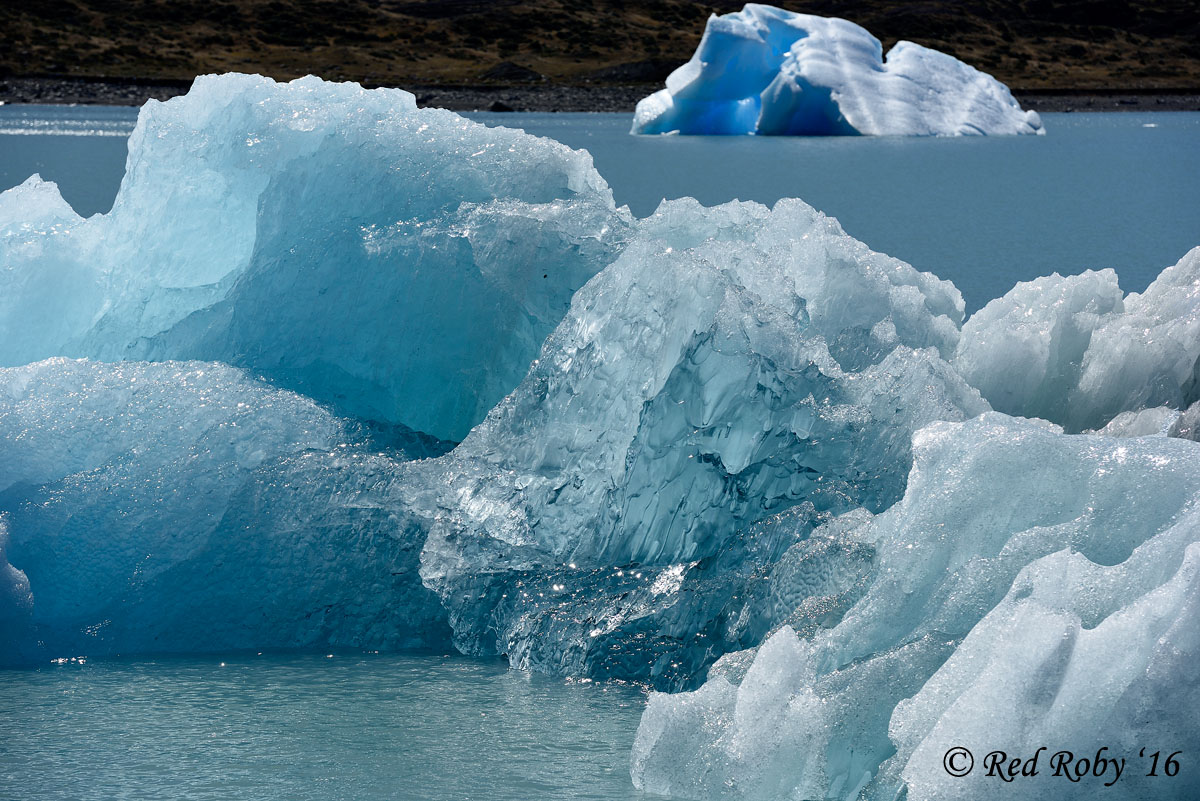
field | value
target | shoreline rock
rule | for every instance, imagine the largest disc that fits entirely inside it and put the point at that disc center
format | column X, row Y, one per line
column 548, row 97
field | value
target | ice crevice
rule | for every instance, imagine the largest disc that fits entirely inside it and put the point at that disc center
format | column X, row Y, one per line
column 339, row 372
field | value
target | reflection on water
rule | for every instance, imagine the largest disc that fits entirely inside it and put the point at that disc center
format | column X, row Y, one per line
column 22, row 120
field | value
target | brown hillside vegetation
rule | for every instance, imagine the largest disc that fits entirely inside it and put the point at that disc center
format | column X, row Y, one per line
column 1029, row 44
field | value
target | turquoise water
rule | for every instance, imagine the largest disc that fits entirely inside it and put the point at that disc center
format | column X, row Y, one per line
column 1099, row 190
column 353, row 727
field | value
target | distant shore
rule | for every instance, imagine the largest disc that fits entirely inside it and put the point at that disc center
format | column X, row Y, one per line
column 548, row 96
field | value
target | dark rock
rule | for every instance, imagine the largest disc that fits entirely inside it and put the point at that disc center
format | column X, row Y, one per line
column 651, row 70
column 508, row 72
column 499, row 105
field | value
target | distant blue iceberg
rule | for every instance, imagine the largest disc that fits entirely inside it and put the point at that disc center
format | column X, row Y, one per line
column 763, row 70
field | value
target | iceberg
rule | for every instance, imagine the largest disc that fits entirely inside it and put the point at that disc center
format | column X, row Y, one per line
column 731, row 364
column 1060, row 609
column 1161, row 420
column 1079, row 352
column 190, row 507
column 402, row 264
column 763, row 70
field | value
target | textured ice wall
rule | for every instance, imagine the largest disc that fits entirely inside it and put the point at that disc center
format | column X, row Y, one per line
column 186, row 506
column 1161, row 420
column 1187, row 424
column 1062, row 560
column 402, row 264
column 732, row 363
column 1078, row 352
column 17, row 634
column 1084, row 656
column 763, row 70
column 46, row 292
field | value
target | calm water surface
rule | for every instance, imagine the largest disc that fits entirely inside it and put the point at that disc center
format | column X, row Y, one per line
column 1099, row 190
column 353, row 727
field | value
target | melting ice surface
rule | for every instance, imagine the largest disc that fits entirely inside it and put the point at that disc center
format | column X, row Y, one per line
column 339, row 373
column 763, row 70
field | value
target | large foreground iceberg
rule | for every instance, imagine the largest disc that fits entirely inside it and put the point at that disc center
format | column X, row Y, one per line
column 423, row 257
column 763, row 70
column 733, row 363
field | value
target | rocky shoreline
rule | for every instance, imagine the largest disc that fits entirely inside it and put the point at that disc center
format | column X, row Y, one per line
column 546, row 96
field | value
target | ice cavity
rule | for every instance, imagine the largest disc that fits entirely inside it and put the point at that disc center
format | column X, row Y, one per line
column 1079, row 352
column 763, row 70
column 732, row 363
column 402, row 264
column 187, row 506
column 1031, row 587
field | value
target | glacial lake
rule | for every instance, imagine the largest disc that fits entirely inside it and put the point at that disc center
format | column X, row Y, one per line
column 297, row 727
column 1099, row 190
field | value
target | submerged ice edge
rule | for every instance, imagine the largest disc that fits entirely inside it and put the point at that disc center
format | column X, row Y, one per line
column 744, row 426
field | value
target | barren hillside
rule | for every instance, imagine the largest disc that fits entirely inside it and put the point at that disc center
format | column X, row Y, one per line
column 1029, row 44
